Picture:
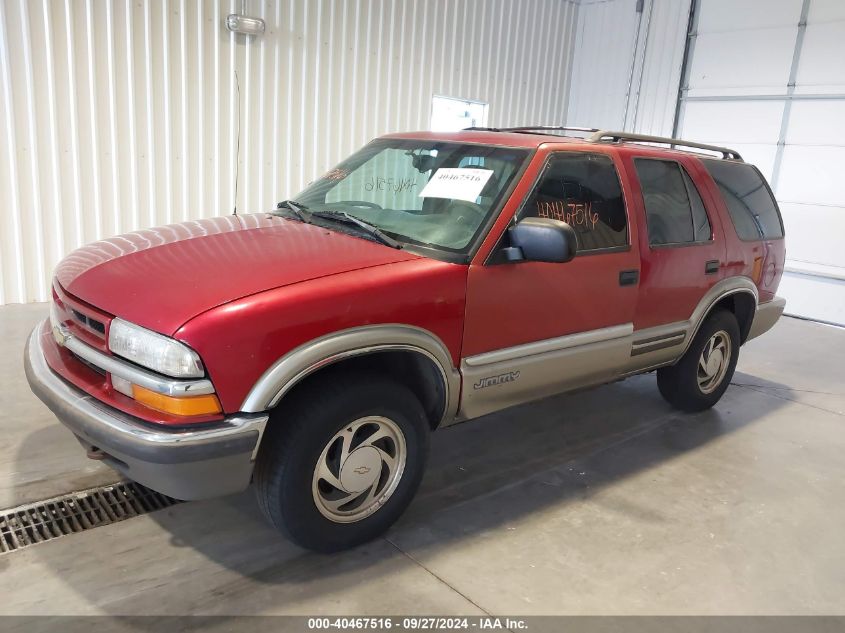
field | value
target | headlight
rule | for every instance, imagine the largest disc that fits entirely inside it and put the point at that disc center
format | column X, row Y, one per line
column 154, row 351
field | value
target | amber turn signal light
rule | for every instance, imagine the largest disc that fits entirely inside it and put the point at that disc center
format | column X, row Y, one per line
column 187, row 406
column 757, row 271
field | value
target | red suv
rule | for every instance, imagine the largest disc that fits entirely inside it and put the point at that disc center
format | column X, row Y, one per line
column 430, row 278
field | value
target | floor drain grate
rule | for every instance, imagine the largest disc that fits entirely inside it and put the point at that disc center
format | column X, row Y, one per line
column 46, row 520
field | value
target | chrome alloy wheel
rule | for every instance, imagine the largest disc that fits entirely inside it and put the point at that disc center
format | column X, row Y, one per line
column 714, row 362
column 359, row 469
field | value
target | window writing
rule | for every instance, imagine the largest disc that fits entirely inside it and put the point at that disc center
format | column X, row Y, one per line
column 422, row 192
column 582, row 190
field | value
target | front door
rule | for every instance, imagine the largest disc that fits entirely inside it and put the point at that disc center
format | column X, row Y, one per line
column 533, row 329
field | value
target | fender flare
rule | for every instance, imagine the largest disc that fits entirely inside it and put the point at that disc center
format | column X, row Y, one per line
column 724, row 288
column 314, row 355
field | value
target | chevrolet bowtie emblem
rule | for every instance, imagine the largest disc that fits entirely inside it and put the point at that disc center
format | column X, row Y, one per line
column 362, row 470
column 60, row 335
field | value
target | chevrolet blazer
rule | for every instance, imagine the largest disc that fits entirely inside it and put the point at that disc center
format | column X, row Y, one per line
column 429, row 278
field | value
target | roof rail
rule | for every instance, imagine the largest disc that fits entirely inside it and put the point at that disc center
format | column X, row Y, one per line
column 534, row 128
column 615, row 137
column 549, row 128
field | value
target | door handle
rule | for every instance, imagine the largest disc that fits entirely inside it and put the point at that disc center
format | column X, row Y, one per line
column 629, row 277
column 711, row 267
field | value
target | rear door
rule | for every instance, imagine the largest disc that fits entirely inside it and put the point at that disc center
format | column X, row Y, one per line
column 532, row 328
column 682, row 250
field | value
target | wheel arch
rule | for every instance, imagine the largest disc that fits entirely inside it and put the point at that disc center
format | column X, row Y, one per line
column 743, row 305
column 417, row 357
column 738, row 295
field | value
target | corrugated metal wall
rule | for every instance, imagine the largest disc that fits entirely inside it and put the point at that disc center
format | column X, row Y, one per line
column 656, row 97
column 122, row 114
column 627, row 64
column 604, row 47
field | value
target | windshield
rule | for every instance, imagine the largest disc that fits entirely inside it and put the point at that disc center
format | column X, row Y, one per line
column 420, row 192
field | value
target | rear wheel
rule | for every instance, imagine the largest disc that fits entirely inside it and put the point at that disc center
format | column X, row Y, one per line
column 342, row 461
column 698, row 380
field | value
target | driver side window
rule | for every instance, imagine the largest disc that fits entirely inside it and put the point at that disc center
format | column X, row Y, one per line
column 582, row 190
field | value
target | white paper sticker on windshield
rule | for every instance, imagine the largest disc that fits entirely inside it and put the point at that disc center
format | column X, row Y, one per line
column 457, row 183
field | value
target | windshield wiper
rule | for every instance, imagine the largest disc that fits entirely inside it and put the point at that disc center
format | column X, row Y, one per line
column 370, row 229
column 299, row 210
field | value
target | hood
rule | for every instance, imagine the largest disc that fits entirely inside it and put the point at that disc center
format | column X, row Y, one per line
column 160, row 278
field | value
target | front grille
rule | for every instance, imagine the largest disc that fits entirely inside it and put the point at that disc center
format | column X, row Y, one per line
column 89, row 365
column 92, row 324
column 46, row 520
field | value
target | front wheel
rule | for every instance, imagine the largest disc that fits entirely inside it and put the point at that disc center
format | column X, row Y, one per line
column 698, row 380
column 342, row 461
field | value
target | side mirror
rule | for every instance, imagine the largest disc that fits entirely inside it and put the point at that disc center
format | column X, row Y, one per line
column 541, row 240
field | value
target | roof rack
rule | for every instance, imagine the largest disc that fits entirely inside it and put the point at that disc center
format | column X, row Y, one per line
column 530, row 129
column 615, row 137
column 549, row 128
column 600, row 136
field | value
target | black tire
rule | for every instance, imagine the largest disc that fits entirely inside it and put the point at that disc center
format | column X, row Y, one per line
column 679, row 384
column 298, row 434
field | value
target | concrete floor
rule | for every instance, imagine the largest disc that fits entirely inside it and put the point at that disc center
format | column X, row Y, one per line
column 603, row 502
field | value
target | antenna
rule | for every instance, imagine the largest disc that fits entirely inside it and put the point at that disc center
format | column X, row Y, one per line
column 238, row 151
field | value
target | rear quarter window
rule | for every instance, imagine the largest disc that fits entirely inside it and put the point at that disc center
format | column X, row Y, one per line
column 749, row 200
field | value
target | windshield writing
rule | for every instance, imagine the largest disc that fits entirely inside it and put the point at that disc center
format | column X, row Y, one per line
column 425, row 192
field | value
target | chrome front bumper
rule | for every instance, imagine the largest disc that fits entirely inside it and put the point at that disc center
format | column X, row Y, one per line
column 182, row 463
column 766, row 316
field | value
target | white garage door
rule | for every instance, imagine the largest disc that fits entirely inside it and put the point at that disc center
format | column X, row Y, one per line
column 767, row 77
